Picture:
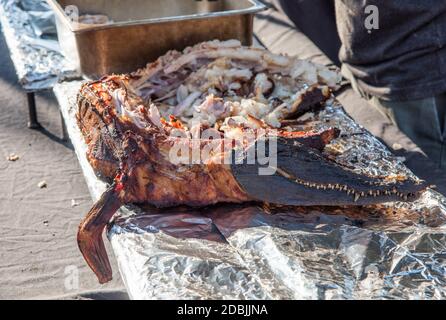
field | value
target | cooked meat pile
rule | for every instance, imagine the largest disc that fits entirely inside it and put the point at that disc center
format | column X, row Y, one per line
column 181, row 132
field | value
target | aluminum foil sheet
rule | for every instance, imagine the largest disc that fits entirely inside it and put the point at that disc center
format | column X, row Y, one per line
column 388, row 251
column 28, row 27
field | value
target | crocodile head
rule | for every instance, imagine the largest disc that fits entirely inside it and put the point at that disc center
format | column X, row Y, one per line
column 303, row 175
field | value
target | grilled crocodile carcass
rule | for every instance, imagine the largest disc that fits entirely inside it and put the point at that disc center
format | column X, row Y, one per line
column 143, row 131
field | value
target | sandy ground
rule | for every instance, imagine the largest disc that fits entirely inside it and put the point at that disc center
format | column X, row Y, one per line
column 39, row 257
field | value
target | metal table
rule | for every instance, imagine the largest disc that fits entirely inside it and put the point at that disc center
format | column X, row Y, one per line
column 37, row 60
column 243, row 252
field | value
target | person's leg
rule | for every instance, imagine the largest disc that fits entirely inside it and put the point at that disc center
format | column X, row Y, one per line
column 421, row 120
column 317, row 20
column 440, row 101
column 306, row 28
column 441, row 107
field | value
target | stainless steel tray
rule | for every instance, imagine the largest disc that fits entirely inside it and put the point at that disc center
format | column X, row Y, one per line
column 143, row 30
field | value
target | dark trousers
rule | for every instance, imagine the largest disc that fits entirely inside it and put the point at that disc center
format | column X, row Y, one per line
column 423, row 121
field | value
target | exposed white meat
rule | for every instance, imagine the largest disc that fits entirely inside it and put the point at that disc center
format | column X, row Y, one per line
column 154, row 116
column 253, row 108
column 330, row 77
column 168, row 95
column 233, row 43
column 214, row 81
column 234, row 86
column 262, row 85
column 186, row 103
column 213, row 105
column 211, row 110
column 273, row 118
column 123, row 107
column 304, row 69
column 228, row 75
column 182, row 93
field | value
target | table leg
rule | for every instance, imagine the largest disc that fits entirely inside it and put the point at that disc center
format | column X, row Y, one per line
column 33, row 123
column 65, row 136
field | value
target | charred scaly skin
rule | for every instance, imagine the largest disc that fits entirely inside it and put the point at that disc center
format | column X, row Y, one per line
column 119, row 152
column 140, row 173
column 89, row 237
column 129, row 147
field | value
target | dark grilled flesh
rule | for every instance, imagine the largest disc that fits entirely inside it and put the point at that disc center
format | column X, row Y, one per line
column 130, row 150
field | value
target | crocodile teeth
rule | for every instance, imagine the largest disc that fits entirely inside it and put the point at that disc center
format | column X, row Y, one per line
column 357, row 196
